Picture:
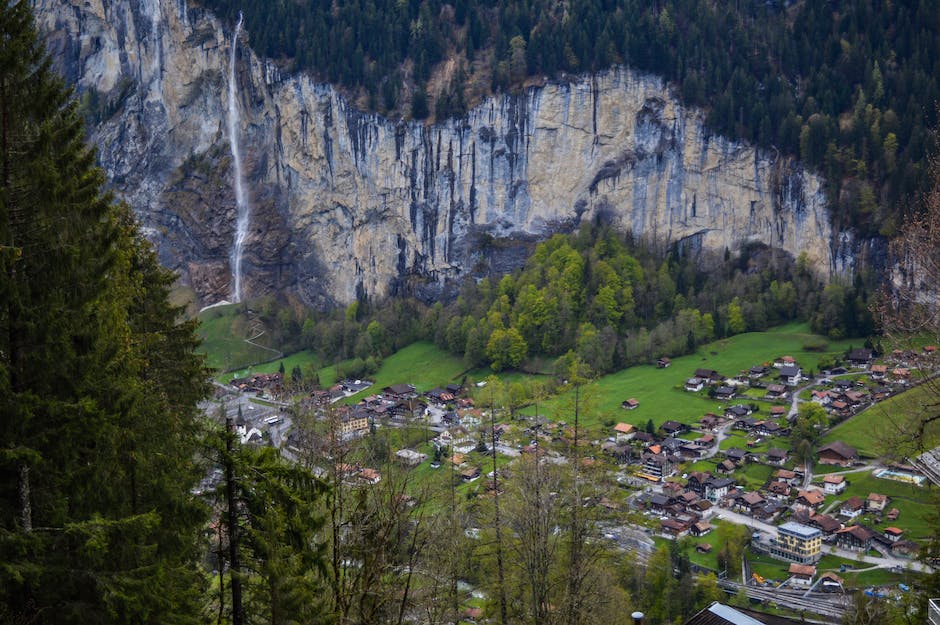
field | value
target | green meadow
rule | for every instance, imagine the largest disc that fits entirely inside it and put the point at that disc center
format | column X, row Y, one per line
column 661, row 391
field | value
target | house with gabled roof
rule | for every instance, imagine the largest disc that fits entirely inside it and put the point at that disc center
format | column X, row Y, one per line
column 810, row 498
column 876, row 502
column 855, row 538
column 624, row 432
column 852, row 507
column 834, row 484
column 837, row 452
column 860, row 357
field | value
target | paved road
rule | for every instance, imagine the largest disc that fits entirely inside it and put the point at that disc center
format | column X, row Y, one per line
column 767, row 528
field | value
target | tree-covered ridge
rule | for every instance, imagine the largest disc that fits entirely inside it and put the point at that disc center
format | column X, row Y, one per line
column 850, row 87
column 595, row 294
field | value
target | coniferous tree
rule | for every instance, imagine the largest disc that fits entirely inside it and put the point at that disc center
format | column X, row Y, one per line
column 98, row 382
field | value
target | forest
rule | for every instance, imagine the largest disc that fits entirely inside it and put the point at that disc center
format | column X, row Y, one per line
column 851, row 88
column 605, row 298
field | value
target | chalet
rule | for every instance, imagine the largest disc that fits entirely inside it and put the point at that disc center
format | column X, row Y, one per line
column 810, row 498
column 717, row 488
column 697, row 481
column 893, row 534
column 880, row 393
column 630, row 404
column 893, row 514
column 769, row 428
column 791, row 375
column 839, row 407
column 453, row 389
column 878, row 372
column 834, row 484
column 706, row 440
column 724, row 393
column 827, row 524
column 784, row 361
column 709, row 421
column 735, row 455
column 776, row 391
column 693, row 385
column 852, row 507
column 661, row 504
column 674, row 527
column 662, row 363
column 726, row 466
column 823, row 398
column 777, row 456
column 673, row 428
column 930, row 350
column 780, row 490
column 778, row 412
column 620, row 452
column 691, row 451
column 439, row 396
column 855, row 538
column 738, row 411
column 624, row 432
column 702, row 547
column 701, row 528
column 876, row 502
column 861, row 357
column 749, row 502
column 400, row 391
column 785, row 475
column 709, row 375
column 645, row 437
column 837, row 452
column 757, row 371
column 801, row 575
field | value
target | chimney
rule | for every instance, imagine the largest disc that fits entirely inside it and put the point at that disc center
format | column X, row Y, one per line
column 637, row 618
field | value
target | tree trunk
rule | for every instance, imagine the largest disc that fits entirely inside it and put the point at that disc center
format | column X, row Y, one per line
column 238, row 615
column 26, row 508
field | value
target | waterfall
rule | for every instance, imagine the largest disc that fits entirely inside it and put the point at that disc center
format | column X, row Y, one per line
column 241, row 202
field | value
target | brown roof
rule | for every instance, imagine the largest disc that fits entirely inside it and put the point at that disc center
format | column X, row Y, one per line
column 624, row 428
column 894, row 531
column 812, row 497
column 784, row 474
column 841, row 449
column 853, row 503
column 877, row 497
column 752, row 498
column 802, row 569
column 834, row 479
column 825, row 522
column 860, row 532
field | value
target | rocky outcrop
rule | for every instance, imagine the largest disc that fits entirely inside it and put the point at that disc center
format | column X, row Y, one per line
column 347, row 204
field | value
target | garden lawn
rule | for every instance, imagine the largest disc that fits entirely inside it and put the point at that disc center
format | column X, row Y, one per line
column 660, row 391
column 872, row 431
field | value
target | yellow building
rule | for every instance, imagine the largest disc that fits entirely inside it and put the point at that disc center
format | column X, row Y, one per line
column 797, row 543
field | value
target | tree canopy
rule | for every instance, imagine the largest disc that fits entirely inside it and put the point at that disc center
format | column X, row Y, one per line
column 98, row 378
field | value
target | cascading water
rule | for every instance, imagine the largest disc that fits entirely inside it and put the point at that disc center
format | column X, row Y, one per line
column 241, row 201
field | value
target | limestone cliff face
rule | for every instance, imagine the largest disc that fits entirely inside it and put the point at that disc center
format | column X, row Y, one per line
column 347, row 204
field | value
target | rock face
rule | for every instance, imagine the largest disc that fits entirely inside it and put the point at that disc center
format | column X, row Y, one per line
column 347, row 204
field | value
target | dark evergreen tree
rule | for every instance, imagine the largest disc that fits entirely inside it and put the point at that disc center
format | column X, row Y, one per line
column 98, row 381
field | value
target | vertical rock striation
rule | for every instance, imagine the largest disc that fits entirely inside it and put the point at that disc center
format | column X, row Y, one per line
column 347, row 204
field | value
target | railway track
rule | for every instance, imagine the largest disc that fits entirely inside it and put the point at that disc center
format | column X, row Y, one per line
column 824, row 604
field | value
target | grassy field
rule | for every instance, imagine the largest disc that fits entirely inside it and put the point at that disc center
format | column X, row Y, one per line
column 302, row 359
column 422, row 364
column 223, row 331
column 660, row 391
column 918, row 515
column 880, row 429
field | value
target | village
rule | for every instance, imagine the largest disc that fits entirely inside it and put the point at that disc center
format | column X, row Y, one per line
column 734, row 465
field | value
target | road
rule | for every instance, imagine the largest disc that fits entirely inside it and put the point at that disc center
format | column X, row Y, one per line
column 879, row 562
